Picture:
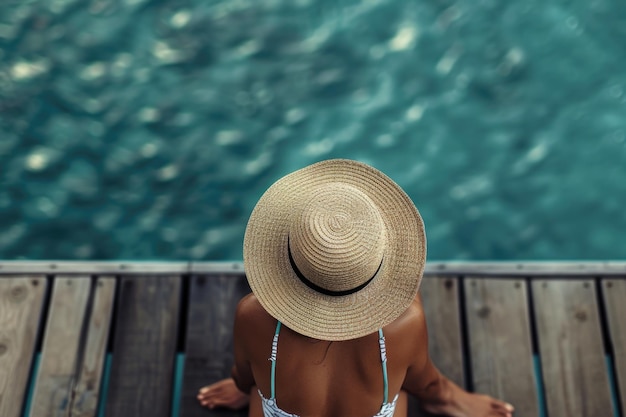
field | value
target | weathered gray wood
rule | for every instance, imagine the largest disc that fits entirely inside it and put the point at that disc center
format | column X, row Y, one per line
column 541, row 269
column 500, row 342
column 144, row 347
column 614, row 292
column 209, row 343
column 440, row 298
column 525, row 269
column 94, row 268
column 21, row 301
column 56, row 377
column 87, row 390
column 570, row 344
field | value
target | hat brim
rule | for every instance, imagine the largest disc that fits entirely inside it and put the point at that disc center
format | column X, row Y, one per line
column 285, row 297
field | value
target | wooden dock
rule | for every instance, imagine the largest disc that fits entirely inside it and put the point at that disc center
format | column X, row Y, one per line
column 139, row 339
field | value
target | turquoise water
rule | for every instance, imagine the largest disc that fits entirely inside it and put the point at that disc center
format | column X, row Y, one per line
column 140, row 129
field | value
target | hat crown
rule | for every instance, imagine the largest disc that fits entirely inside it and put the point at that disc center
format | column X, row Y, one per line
column 337, row 240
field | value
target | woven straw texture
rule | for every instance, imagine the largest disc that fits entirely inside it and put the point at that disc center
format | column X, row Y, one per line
column 345, row 224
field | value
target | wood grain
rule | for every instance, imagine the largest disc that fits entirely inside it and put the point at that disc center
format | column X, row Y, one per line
column 572, row 352
column 614, row 295
column 144, row 349
column 500, row 342
column 440, row 298
column 209, row 343
column 87, row 390
column 454, row 268
column 61, row 346
column 21, row 302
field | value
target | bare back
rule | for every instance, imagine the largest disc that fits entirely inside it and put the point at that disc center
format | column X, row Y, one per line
column 321, row 378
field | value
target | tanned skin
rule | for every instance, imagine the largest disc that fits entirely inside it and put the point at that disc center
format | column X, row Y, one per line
column 316, row 378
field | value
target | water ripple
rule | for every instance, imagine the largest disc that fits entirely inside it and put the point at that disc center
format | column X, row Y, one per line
column 148, row 130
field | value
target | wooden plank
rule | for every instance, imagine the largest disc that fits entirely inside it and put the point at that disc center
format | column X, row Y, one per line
column 61, row 347
column 614, row 292
column 21, row 302
column 539, row 269
column 94, row 268
column 440, row 298
column 525, row 269
column 500, row 342
column 87, row 391
column 144, row 347
column 570, row 344
column 209, row 345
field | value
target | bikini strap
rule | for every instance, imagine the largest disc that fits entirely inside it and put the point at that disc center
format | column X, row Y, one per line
column 272, row 358
column 383, row 359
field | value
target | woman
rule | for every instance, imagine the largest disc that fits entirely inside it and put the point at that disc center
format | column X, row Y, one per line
column 334, row 254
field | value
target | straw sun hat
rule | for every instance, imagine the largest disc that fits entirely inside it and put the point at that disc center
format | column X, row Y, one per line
column 335, row 250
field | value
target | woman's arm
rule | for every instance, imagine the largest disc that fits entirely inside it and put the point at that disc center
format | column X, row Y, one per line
column 436, row 393
column 423, row 380
column 232, row 392
column 242, row 371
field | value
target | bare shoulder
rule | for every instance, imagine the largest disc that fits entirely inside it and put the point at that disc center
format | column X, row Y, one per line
column 408, row 334
column 251, row 319
column 412, row 321
column 249, row 306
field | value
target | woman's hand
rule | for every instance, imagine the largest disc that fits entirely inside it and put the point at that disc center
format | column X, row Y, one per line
column 223, row 393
